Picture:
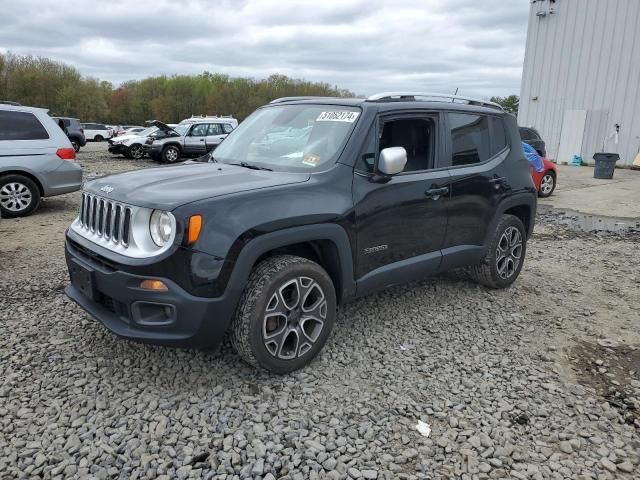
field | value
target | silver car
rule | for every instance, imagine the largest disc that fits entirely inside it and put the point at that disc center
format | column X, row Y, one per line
column 36, row 160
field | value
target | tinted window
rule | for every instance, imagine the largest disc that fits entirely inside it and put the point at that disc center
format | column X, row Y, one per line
column 498, row 135
column 470, row 139
column 21, row 126
column 227, row 128
column 214, row 129
column 528, row 134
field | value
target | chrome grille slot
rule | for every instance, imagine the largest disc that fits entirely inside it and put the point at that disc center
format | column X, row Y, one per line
column 104, row 218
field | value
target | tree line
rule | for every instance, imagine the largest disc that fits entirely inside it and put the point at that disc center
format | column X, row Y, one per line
column 41, row 82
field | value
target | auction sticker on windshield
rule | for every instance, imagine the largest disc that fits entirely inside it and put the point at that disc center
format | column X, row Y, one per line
column 338, row 116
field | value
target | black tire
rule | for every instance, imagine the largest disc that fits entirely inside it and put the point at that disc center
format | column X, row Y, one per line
column 98, row 138
column 546, row 191
column 135, row 152
column 273, row 279
column 170, row 154
column 489, row 272
column 23, row 186
column 76, row 146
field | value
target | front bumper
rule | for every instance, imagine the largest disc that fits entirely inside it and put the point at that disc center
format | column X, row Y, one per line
column 117, row 149
column 175, row 317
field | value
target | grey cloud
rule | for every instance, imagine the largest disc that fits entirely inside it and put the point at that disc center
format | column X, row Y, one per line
column 362, row 45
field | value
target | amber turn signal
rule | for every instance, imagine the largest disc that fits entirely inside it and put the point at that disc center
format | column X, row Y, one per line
column 195, row 225
column 156, row 285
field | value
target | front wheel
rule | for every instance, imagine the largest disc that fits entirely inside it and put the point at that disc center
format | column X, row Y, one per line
column 76, row 146
column 98, row 138
column 19, row 196
column 171, row 154
column 505, row 256
column 285, row 314
column 135, row 151
column 547, row 184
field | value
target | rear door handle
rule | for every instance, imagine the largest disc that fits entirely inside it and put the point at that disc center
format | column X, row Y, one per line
column 436, row 193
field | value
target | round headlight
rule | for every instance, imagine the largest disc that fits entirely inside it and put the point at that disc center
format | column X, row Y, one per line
column 161, row 227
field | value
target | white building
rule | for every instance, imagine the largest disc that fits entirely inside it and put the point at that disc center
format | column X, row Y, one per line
column 582, row 77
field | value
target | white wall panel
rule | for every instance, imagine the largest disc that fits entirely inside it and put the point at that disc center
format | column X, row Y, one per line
column 583, row 56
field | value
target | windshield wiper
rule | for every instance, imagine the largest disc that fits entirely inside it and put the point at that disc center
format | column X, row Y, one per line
column 251, row 166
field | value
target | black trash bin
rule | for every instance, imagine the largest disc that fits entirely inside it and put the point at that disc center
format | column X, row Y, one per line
column 605, row 165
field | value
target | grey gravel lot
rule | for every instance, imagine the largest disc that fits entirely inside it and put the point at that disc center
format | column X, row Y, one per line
column 538, row 381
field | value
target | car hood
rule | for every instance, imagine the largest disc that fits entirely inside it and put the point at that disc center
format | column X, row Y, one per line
column 163, row 127
column 172, row 186
column 127, row 137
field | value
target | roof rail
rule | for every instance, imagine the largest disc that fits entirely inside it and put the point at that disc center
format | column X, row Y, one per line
column 289, row 99
column 434, row 97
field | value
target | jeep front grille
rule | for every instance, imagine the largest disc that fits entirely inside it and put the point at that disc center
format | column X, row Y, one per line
column 105, row 219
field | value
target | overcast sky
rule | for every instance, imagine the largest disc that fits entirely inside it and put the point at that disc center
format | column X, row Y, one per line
column 363, row 45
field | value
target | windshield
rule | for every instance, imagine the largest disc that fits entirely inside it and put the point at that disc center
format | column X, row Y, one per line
column 290, row 137
column 182, row 128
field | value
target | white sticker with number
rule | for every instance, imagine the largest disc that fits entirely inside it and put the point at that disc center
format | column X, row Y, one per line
column 338, row 116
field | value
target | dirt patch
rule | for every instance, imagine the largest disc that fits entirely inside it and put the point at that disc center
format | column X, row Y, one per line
column 613, row 371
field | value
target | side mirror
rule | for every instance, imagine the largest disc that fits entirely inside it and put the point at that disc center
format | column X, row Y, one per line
column 392, row 160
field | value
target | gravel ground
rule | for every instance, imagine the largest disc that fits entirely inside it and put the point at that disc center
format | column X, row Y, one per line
column 538, row 381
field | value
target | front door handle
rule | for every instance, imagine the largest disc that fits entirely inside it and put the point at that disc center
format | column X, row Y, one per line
column 436, row 193
column 202, row 139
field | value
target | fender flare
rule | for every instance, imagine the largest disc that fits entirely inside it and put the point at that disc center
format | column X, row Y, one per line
column 258, row 246
column 526, row 199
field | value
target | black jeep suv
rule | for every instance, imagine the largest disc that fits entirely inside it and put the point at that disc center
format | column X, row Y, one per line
column 309, row 203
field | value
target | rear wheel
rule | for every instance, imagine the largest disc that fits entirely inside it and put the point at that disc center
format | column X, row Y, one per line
column 76, row 146
column 547, row 184
column 19, row 196
column 171, row 154
column 98, row 138
column 135, row 151
column 285, row 314
column 505, row 256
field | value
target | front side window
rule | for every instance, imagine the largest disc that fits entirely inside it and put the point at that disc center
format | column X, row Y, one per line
column 21, row 126
column 415, row 135
column 290, row 137
column 199, row 130
column 470, row 139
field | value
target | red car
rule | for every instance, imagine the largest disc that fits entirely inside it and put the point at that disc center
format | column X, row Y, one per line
column 546, row 180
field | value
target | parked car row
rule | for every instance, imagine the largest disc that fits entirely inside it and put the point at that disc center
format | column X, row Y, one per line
column 169, row 143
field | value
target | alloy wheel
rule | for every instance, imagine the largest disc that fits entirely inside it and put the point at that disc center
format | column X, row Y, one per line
column 546, row 185
column 294, row 318
column 136, row 151
column 509, row 252
column 171, row 155
column 15, row 197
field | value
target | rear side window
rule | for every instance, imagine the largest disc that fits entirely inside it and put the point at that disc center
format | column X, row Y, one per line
column 528, row 134
column 475, row 138
column 227, row 128
column 214, row 129
column 498, row 135
column 21, row 126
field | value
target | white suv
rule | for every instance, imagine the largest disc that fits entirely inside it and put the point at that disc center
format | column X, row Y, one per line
column 97, row 132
